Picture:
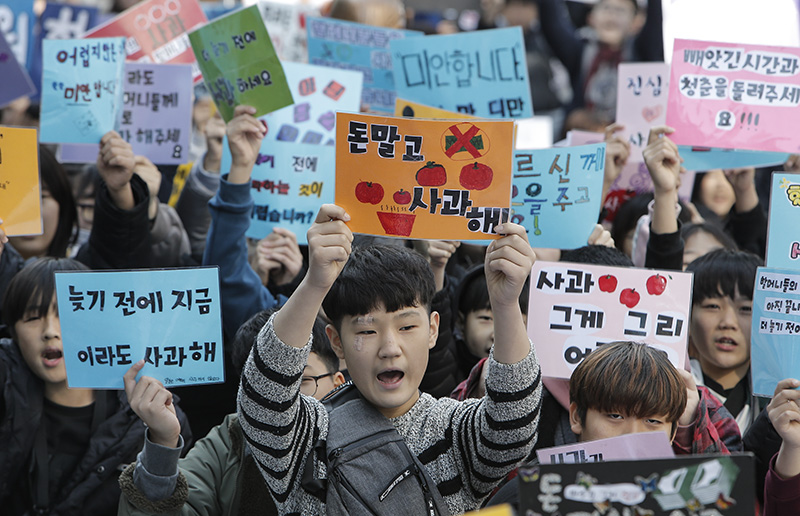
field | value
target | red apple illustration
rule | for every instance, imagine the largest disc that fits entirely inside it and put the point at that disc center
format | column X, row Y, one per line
column 432, row 174
column 656, row 285
column 607, row 283
column 369, row 193
column 476, row 176
column 401, row 197
column 629, row 297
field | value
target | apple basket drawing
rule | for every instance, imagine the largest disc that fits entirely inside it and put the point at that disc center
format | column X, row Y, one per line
column 396, row 224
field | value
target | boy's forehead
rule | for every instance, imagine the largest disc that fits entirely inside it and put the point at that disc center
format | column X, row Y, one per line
column 380, row 313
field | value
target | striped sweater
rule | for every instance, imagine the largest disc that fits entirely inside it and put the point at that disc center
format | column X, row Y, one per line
column 468, row 447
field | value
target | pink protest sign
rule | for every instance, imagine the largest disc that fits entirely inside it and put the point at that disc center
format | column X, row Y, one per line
column 155, row 31
column 575, row 308
column 735, row 96
column 639, row 446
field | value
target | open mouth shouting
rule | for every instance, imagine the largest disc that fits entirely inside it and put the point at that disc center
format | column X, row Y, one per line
column 52, row 357
column 390, row 378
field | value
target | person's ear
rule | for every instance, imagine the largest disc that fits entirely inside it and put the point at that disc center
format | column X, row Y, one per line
column 434, row 329
column 336, row 341
column 338, row 379
column 575, row 419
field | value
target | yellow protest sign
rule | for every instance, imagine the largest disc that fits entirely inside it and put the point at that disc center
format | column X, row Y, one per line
column 428, row 179
column 20, row 194
column 411, row 109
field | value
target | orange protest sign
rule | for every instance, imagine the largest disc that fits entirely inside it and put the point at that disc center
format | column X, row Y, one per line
column 428, row 179
column 20, row 197
column 412, row 109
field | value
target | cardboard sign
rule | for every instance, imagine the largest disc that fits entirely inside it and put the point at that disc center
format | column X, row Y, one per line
column 639, row 446
column 82, row 93
column 430, row 179
column 170, row 318
column 575, row 308
column 482, row 73
column 783, row 243
column 239, row 64
column 361, row 48
column 734, row 96
column 776, row 324
column 286, row 24
column 155, row 31
column 16, row 81
column 722, row 485
column 20, row 193
column 290, row 182
column 319, row 92
column 17, row 21
column 557, row 192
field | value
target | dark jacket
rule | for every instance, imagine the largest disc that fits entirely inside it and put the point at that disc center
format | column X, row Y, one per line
column 764, row 441
column 92, row 488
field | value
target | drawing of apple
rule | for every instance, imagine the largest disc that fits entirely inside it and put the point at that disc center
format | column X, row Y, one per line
column 656, row 285
column 432, row 174
column 629, row 297
column 401, row 197
column 476, row 176
column 607, row 283
column 369, row 193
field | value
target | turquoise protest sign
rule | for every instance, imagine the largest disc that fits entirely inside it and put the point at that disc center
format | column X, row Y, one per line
column 556, row 194
column 783, row 242
column 169, row 318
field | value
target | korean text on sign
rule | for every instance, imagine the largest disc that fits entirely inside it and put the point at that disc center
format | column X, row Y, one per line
column 169, row 318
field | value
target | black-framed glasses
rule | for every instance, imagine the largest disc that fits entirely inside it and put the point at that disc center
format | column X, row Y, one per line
column 306, row 381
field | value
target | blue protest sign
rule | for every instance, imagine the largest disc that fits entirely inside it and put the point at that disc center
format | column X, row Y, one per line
column 16, row 23
column 290, row 182
column 783, row 242
column 557, row 192
column 482, row 73
column 701, row 159
column 357, row 47
column 169, row 318
column 774, row 354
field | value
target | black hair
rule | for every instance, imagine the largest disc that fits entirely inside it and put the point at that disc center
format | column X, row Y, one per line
column 375, row 275
column 472, row 293
column 627, row 217
column 719, row 272
column 321, row 345
column 56, row 181
column 712, row 229
column 32, row 289
column 597, row 255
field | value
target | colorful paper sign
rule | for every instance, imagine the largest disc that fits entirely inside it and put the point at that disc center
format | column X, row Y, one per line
column 429, row 179
column 411, row 109
column 170, row 318
column 286, row 24
column 783, row 243
column 361, row 48
column 16, row 24
column 16, row 81
column 556, row 194
column 319, row 92
column 155, row 31
column 290, row 182
column 638, row 446
column 239, row 64
column 734, row 96
column 82, row 93
column 575, row 308
column 157, row 111
column 687, row 484
column 20, row 193
column 482, row 73
column 776, row 324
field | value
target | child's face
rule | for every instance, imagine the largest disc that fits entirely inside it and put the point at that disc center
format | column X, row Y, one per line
column 697, row 245
column 613, row 20
column 387, row 354
column 315, row 367
column 39, row 340
column 602, row 425
column 479, row 332
column 720, row 334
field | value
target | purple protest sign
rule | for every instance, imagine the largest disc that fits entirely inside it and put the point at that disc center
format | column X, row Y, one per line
column 157, row 111
column 16, row 81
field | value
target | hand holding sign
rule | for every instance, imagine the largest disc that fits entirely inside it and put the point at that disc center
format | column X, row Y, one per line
column 663, row 160
column 785, row 417
column 152, row 402
column 245, row 133
column 115, row 163
column 329, row 246
column 508, row 264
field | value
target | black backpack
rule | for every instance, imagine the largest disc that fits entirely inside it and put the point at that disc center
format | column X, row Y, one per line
column 370, row 468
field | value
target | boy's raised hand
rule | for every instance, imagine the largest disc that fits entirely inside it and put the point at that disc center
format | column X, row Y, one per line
column 618, row 150
column 115, row 163
column 784, row 414
column 245, row 133
column 663, row 160
column 152, row 402
column 329, row 245
column 508, row 263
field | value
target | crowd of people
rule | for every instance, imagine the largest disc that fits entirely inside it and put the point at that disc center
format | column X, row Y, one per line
column 373, row 375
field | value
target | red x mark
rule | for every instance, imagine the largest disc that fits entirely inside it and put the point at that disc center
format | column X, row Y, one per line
column 463, row 141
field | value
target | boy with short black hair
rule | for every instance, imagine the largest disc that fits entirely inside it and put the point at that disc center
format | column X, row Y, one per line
column 383, row 328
